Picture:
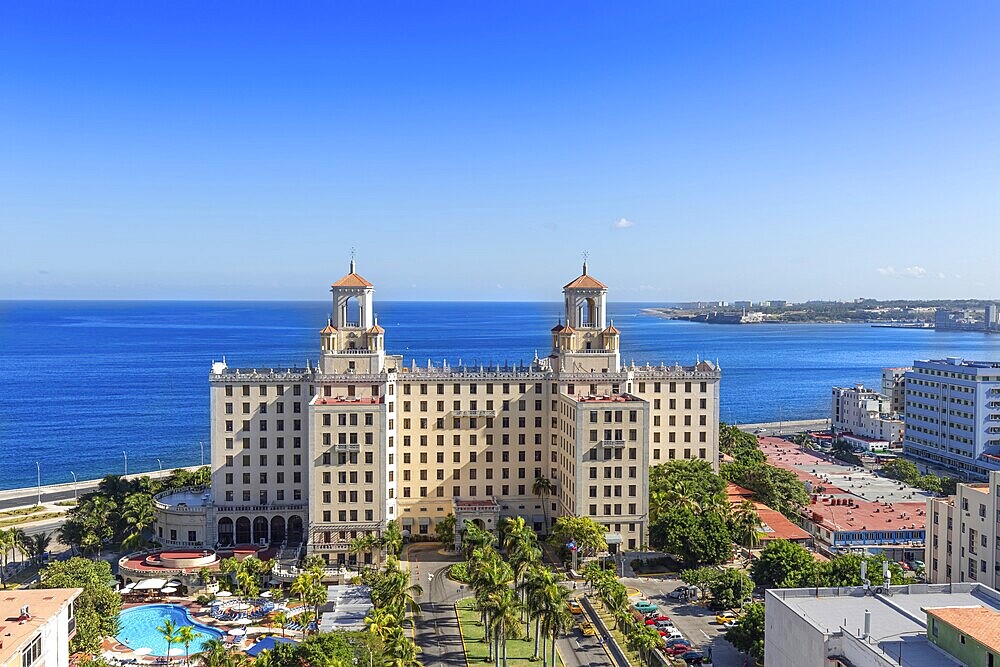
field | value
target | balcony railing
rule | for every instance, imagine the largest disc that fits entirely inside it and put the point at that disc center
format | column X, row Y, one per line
column 612, row 443
column 347, row 447
column 273, row 507
column 475, row 413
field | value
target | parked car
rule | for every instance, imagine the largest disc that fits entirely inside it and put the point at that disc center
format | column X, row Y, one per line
column 730, row 624
column 694, row 658
column 725, row 617
column 678, row 649
column 646, row 607
column 587, row 628
column 574, row 607
column 906, row 566
column 673, row 641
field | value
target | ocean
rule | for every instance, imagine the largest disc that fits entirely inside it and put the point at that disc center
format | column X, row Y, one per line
column 86, row 383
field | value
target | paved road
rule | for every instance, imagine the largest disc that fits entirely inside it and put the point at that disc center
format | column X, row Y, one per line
column 437, row 631
column 51, row 493
column 786, row 427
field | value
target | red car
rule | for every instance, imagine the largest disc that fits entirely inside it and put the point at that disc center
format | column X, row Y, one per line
column 677, row 649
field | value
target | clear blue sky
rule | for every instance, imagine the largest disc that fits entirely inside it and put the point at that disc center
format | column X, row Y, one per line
column 473, row 150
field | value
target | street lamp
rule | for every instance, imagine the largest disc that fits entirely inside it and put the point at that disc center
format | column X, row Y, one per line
column 125, row 454
column 201, row 443
column 38, row 471
column 159, row 463
column 74, row 485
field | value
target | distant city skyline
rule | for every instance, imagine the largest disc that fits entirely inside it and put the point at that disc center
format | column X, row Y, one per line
column 474, row 151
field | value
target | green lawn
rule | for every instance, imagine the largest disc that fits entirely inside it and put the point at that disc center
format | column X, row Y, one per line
column 519, row 651
column 609, row 621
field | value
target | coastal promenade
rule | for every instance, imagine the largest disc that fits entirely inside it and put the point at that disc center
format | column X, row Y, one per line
column 786, row 427
column 50, row 493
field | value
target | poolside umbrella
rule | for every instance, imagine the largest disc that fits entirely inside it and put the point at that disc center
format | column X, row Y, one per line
column 175, row 582
column 266, row 594
column 238, row 632
column 175, row 651
column 223, row 594
column 145, row 650
column 244, row 621
column 168, row 590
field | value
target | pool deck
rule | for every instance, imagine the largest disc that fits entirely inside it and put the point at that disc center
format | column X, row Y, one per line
column 201, row 614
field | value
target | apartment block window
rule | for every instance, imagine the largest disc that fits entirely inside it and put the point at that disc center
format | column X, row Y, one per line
column 32, row 653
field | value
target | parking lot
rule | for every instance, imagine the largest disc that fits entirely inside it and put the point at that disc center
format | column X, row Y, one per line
column 696, row 623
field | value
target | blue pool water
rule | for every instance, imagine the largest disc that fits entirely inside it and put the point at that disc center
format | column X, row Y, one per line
column 138, row 628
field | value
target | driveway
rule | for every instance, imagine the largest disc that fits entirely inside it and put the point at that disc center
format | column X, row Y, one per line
column 436, row 630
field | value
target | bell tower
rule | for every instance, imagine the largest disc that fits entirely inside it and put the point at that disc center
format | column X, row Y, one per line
column 352, row 341
column 586, row 344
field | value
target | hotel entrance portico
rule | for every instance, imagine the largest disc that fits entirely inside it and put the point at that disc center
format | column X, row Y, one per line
column 484, row 513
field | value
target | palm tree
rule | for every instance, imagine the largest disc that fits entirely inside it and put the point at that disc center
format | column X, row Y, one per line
column 185, row 635
column 214, row 653
column 747, row 526
column 400, row 651
column 535, row 583
column 543, row 487
column 169, row 632
column 301, row 585
column 6, row 545
column 138, row 515
column 39, row 544
column 644, row 639
column 505, row 621
column 304, row 619
column 556, row 619
column 281, row 619
column 380, row 622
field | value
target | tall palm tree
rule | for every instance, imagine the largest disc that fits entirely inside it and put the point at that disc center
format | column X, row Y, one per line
column 556, row 619
column 39, row 545
column 747, row 526
column 185, row 635
column 535, row 583
column 169, row 632
column 6, row 546
column 380, row 622
column 400, row 651
column 137, row 515
column 505, row 621
column 542, row 487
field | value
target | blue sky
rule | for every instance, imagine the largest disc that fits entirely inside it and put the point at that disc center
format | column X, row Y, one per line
column 474, row 150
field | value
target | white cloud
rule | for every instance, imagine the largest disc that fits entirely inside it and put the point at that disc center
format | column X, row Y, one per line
column 908, row 272
column 622, row 223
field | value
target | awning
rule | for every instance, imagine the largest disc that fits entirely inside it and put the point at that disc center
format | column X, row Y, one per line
column 613, row 538
column 537, row 518
column 268, row 643
column 150, row 585
column 424, row 521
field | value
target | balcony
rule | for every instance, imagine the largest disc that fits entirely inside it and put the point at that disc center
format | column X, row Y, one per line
column 273, row 507
column 612, row 443
column 347, row 447
column 475, row 413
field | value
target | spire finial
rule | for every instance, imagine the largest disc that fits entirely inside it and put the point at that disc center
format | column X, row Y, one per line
column 354, row 254
column 586, row 255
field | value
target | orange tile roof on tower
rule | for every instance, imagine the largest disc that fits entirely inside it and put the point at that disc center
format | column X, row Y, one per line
column 586, row 281
column 328, row 329
column 376, row 329
column 612, row 329
column 977, row 622
column 352, row 279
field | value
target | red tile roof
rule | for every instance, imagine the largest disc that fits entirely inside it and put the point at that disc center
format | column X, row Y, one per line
column 977, row 622
column 352, row 280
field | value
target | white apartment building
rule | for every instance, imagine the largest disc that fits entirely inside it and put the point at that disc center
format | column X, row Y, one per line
column 894, row 390
column 863, row 412
column 963, row 534
column 36, row 626
column 952, row 415
column 324, row 454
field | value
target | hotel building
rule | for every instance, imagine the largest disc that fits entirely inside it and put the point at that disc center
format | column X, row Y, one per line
column 324, row 454
column 952, row 415
column 963, row 535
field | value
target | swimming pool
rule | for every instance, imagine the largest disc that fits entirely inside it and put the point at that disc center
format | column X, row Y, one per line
column 138, row 628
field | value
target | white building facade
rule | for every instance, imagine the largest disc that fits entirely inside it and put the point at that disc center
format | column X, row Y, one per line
column 963, row 534
column 864, row 412
column 952, row 415
column 36, row 626
column 324, row 454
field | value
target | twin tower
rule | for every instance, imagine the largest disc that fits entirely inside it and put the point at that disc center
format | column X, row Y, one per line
column 583, row 342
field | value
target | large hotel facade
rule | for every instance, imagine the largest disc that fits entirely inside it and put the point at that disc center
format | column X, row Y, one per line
column 327, row 453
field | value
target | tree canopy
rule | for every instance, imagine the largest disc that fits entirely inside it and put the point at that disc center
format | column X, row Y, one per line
column 696, row 538
column 588, row 535
column 784, row 564
column 97, row 607
column 748, row 635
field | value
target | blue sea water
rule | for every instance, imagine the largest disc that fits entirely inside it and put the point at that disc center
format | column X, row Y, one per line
column 83, row 382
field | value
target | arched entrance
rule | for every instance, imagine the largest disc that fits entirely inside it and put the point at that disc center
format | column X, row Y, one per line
column 480, row 523
column 294, row 529
column 226, row 531
column 243, row 530
column 260, row 529
column 277, row 529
